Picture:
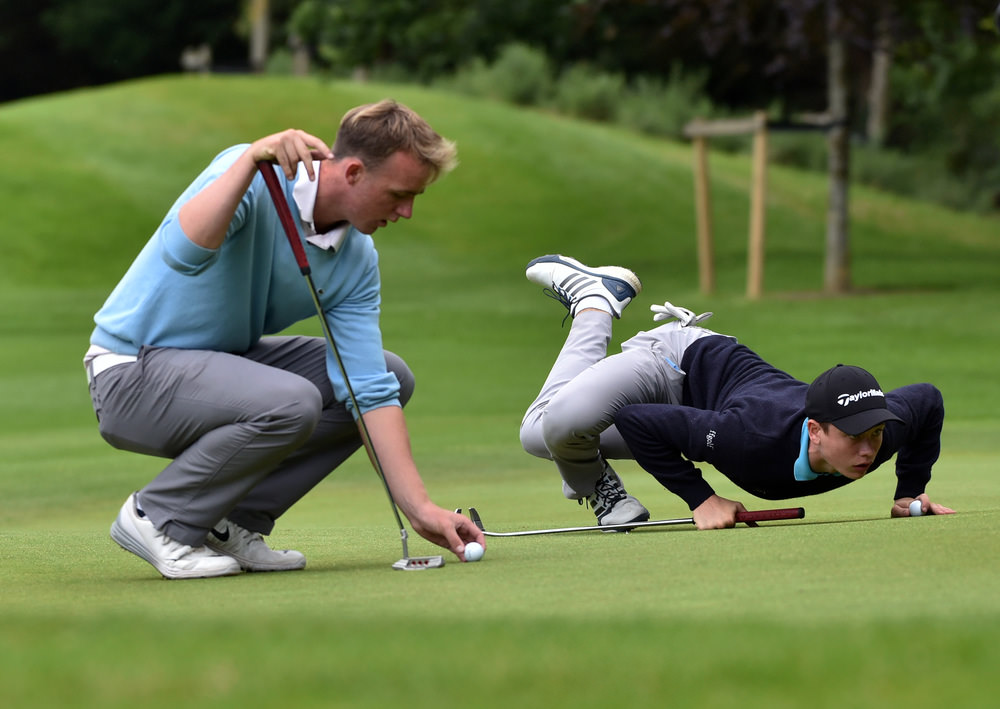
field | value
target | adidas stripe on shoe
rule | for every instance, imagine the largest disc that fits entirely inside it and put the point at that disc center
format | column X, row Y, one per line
column 570, row 282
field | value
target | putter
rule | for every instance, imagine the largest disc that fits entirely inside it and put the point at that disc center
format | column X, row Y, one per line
column 750, row 518
column 407, row 563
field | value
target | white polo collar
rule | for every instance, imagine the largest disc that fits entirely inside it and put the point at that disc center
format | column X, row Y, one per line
column 304, row 193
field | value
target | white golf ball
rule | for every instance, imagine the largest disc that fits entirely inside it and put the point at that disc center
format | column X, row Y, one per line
column 474, row 551
column 915, row 509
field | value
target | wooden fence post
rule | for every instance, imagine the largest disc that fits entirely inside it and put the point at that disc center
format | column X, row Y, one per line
column 699, row 131
column 758, row 199
column 703, row 215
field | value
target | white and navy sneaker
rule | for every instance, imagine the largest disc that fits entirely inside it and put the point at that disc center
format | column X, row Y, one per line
column 570, row 282
column 612, row 504
column 250, row 550
column 134, row 532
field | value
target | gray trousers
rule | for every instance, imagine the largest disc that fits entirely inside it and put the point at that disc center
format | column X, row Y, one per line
column 248, row 435
column 571, row 421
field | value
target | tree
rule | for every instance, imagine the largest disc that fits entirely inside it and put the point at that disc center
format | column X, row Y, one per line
column 63, row 44
column 259, row 17
column 878, row 90
column 425, row 37
column 837, row 266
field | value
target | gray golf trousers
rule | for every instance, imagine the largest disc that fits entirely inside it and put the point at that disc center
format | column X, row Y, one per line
column 248, row 435
column 571, row 421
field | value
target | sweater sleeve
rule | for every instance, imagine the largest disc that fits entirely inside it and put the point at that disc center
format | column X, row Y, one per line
column 658, row 433
column 354, row 323
column 176, row 249
column 918, row 442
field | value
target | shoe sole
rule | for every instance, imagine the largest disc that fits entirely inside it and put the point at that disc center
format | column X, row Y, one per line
column 619, row 281
column 130, row 541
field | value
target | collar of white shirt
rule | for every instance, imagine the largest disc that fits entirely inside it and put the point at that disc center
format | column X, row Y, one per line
column 304, row 193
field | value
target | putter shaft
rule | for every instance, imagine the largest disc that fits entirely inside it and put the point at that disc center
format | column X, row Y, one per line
column 750, row 518
column 288, row 224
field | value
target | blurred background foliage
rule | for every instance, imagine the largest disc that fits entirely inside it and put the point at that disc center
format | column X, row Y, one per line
column 923, row 75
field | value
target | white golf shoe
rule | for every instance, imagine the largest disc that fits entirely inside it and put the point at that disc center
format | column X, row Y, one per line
column 134, row 532
column 612, row 504
column 250, row 549
column 570, row 282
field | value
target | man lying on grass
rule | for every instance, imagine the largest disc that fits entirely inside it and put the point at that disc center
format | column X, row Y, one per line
column 681, row 393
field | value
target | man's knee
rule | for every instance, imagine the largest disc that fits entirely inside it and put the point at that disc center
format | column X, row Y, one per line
column 301, row 409
column 531, row 438
column 558, row 432
column 395, row 364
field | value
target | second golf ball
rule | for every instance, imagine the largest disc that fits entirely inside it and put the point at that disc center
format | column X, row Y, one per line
column 915, row 509
column 474, row 551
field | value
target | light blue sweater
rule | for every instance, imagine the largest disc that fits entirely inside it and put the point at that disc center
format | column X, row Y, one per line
column 179, row 294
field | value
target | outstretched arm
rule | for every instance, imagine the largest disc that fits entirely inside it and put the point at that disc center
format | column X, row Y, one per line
column 658, row 435
column 919, row 445
column 387, row 428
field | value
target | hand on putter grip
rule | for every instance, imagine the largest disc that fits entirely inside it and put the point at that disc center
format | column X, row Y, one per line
column 717, row 513
column 668, row 311
column 289, row 148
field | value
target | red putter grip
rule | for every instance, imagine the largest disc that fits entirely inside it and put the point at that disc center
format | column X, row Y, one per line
column 284, row 214
column 770, row 515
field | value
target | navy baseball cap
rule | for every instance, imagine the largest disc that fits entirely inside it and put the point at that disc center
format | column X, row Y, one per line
column 848, row 397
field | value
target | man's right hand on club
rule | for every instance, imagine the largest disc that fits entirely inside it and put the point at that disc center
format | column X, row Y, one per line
column 717, row 513
column 289, row 148
column 205, row 218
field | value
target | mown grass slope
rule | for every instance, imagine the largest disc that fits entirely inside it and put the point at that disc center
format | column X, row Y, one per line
column 845, row 608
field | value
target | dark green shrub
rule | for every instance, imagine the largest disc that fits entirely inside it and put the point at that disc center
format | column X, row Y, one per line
column 521, row 75
column 588, row 93
column 663, row 108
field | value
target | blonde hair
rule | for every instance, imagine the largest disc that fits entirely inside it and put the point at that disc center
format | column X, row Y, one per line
column 375, row 131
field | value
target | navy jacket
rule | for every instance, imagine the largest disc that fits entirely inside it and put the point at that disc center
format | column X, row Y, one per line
column 744, row 417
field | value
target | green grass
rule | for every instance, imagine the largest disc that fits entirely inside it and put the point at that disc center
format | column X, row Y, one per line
column 843, row 608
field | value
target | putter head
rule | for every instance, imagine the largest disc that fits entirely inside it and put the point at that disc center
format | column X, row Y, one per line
column 419, row 563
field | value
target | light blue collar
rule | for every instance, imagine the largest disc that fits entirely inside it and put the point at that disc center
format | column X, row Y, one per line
column 802, row 470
